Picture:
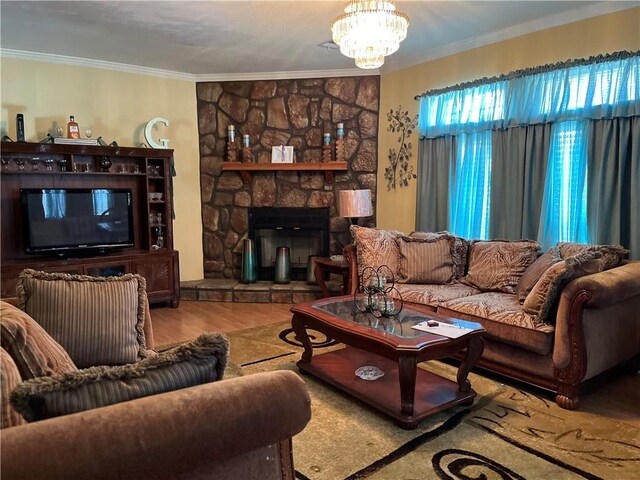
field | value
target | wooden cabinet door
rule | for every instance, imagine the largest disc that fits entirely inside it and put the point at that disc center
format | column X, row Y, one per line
column 107, row 269
column 159, row 270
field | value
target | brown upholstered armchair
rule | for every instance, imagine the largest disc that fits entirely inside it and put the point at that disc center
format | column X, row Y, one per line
column 235, row 428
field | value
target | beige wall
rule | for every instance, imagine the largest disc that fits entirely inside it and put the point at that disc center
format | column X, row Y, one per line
column 116, row 106
column 604, row 34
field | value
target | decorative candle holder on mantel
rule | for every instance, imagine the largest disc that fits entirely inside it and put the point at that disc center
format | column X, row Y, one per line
column 340, row 142
column 326, row 153
column 375, row 295
column 246, row 156
column 340, row 149
column 232, row 152
column 232, row 145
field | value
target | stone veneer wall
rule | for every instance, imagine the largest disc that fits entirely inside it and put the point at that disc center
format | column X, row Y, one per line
column 281, row 112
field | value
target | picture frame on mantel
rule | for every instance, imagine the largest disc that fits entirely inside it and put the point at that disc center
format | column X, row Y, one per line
column 282, row 154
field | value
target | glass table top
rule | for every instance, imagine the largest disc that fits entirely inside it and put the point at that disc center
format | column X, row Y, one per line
column 399, row 325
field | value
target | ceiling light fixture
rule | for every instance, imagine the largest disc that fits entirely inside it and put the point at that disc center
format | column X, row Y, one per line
column 369, row 30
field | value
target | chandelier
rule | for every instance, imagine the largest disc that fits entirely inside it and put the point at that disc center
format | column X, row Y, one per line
column 369, row 30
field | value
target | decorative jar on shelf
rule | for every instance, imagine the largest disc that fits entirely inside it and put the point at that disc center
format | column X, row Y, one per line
column 105, row 163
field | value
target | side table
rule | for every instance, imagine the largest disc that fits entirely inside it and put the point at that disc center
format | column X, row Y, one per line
column 324, row 265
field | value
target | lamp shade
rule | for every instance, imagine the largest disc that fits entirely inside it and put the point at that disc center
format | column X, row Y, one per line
column 355, row 203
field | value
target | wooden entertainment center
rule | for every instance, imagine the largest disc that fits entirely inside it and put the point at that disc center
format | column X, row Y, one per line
column 144, row 171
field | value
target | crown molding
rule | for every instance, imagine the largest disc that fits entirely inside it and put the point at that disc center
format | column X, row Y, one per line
column 225, row 77
column 156, row 72
column 91, row 63
column 537, row 25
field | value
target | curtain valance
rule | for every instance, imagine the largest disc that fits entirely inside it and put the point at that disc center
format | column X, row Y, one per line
column 606, row 86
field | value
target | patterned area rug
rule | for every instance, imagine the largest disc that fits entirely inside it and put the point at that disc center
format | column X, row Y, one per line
column 507, row 433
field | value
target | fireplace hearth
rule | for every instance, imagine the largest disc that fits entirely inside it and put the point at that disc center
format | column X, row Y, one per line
column 304, row 230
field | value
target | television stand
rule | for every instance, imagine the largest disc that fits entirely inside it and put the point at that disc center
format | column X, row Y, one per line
column 144, row 171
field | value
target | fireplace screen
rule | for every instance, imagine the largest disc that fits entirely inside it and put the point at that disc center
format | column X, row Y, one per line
column 304, row 230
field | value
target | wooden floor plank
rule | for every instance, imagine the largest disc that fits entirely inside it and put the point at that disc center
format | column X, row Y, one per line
column 191, row 318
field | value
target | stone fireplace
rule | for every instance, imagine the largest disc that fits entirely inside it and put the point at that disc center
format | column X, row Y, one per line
column 304, row 230
column 281, row 112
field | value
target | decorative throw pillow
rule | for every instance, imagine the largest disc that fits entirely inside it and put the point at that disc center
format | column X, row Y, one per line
column 98, row 320
column 612, row 255
column 497, row 265
column 34, row 352
column 9, row 379
column 459, row 249
column 200, row 361
column 544, row 295
column 535, row 272
column 425, row 261
column 374, row 248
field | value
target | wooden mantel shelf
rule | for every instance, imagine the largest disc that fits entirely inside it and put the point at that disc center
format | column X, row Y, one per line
column 245, row 169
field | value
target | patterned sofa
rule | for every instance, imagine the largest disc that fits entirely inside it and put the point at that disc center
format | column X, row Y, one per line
column 563, row 320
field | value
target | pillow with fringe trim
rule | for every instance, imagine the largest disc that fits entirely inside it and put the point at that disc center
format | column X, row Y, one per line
column 9, row 379
column 425, row 260
column 497, row 265
column 97, row 320
column 535, row 271
column 543, row 298
column 202, row 360
column 612, row 255
column 376, row 247
column 459, row 249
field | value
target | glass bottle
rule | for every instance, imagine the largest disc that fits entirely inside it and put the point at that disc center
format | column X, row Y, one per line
column 73, row 130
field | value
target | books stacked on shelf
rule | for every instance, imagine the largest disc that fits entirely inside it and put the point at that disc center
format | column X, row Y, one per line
column 75, row 141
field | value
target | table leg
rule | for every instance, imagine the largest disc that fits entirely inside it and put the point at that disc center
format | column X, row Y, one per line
column 474, row 350
column 299, row 327
column 346, row 288
column 407, row 365
column 318, row 272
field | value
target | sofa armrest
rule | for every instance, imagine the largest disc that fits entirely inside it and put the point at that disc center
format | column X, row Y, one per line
column 597, row 323
column 163, row 436
column 350, row 256
column 608, row 287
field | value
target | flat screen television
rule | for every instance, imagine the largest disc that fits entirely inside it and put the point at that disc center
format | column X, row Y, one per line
column 65, row 221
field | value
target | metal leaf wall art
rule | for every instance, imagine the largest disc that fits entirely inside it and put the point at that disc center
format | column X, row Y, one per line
column 400, row 172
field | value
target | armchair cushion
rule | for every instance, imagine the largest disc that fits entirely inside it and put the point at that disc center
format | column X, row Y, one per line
column 97, row 320
column 199, row 361
column 9, row 378
column 34, row 352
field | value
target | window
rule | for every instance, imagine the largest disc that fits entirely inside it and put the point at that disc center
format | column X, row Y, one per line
column 568, row 97
column 471, row 187
column 564, row 204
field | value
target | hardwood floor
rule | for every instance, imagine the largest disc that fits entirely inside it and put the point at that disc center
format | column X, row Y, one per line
column 173, row 325
column 620, row 399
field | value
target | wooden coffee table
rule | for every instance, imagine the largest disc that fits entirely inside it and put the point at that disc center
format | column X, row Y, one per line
column 394, row 347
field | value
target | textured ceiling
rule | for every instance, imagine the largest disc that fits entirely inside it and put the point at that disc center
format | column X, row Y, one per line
column 240, row 37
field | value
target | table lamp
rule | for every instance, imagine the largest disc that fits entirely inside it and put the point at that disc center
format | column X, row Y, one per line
column 355, row 204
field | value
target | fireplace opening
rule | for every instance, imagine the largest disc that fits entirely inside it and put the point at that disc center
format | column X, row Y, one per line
column 304, row 230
